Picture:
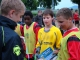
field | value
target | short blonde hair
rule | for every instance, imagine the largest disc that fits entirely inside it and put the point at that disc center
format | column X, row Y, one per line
column 7, row 5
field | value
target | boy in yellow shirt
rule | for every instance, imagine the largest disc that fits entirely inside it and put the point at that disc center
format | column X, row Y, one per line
column 49, row 37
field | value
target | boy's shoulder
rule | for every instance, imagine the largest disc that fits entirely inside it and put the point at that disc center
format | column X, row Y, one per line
column 55, row 28
column 42, row 29
column 10, row 35
column 10, row 32
column 52, row 28
column 36, row 24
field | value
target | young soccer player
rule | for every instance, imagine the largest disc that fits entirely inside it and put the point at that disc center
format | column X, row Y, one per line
column 30, row 33
column 49, row 37
column 70, row 48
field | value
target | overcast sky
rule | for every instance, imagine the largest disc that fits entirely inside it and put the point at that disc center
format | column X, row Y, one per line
column 65, row 3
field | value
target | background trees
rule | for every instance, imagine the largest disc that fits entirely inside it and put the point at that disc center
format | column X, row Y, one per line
column 33, row 4
column 48, row 3
column 0, row 1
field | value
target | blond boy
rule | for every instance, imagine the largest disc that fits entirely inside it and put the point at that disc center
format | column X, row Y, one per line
column 10, row 43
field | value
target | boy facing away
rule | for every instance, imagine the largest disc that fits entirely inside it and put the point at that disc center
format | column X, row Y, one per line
column 10, row 43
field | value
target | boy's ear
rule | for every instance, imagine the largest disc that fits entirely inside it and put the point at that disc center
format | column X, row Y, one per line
column 11, row 13
column 70, row 18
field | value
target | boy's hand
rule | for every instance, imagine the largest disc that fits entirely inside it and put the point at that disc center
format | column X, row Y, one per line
column 56, row 51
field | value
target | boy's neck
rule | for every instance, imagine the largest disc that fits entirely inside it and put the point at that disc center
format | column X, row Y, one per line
column 7, row 16
column 71, row 27
column 29, row 24
column 48, row 26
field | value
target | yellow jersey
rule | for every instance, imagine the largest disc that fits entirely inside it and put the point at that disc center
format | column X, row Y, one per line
column 18, row 30
column 48, row 39
column 30, row 39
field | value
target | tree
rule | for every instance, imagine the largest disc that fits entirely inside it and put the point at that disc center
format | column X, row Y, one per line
column 33, row 4
column 77, row 2
column 30, row 4
column 48, row 3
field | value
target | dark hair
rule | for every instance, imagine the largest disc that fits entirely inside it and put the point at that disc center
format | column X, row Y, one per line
column 76, row 10
column 28, row 13
column 48, row 11
column 65, row 12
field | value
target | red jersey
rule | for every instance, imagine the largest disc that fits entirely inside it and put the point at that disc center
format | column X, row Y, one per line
column 76, row 16
column 73, row 45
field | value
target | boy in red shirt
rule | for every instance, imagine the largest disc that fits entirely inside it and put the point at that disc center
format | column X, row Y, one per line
column 70, row 43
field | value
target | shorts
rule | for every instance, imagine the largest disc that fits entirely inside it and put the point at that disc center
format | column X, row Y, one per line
column 76, row 22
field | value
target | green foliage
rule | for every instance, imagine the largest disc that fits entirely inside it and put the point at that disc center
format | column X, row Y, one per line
column 76, row 1
column 34, row 13
column 56, row 2
column 33, row 4
column 48, row 3
column 45, row 3
column 0, row 1
column 30, row 4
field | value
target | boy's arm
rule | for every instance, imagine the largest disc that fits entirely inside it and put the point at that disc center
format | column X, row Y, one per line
column 17, row 49
column 58, row 39
column 22, row 30
column 36, row 29
column 38, row 47
column 73, row 46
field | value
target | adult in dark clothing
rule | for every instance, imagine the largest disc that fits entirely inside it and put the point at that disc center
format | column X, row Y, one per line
column 10, row 43
column 39, row 18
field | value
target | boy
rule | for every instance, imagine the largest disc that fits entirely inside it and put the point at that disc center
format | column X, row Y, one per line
column 70, row 43
column 30, row 33
column 11, row 13
column 48, row 36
